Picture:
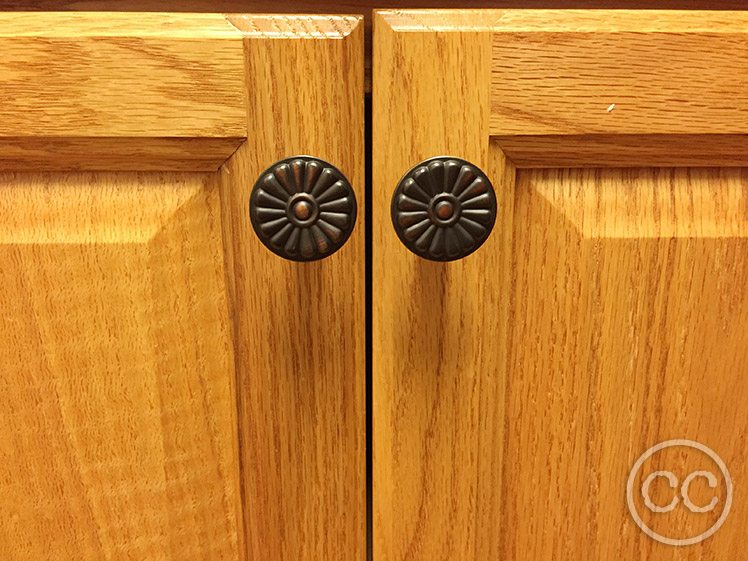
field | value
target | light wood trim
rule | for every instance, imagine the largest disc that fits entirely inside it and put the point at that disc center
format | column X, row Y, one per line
column 623, row 21
column 120, row 91
column 616, row 150
column 114, row 153
column 294, row 26
column 300, row 327
column 461, row 21
column 364, row 7
column 558, row 72
column 160, row 24
column 610, row 87
column 434, row 497
column 566, row 77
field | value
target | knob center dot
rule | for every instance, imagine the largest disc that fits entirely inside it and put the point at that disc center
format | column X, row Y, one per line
column 302, row 210
column 444, row 210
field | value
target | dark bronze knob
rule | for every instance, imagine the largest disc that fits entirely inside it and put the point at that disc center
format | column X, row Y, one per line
column 443, row 209
column 302, row 208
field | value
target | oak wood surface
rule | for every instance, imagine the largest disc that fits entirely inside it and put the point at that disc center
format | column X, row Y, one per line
column 609, row 87
column 135, row 430
column 120, row 91
column 562, row 73
column 364, row 7
column 513, row 390
column 76, row 153
column 437, row 372
column 630, row 286
column 116, row 370
column 300, row 327
column 629, row 150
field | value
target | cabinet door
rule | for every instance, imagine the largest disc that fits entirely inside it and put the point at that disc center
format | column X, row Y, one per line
column 517, row 392
column 171, row 389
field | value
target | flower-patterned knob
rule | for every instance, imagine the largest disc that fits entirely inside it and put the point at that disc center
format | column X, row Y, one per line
column 302, row 208
column 443, row 209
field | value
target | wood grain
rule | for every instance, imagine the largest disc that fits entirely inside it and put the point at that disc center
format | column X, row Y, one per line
column 627, row 150
column 348, row 6
column 629, row 286
column 300, row 327
column 610, row 88
column 438, row 374
column 114, row 153
column 619, row 74
column 558, row 72
column 116, row 370
column 167, row 90
column 364, row 7
column 514, row 390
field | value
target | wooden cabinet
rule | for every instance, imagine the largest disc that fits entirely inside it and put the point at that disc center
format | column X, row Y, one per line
column 515, row 389
column 170, row 389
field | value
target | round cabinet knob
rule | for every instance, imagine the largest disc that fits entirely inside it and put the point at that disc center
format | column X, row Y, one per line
column 444, row 208
column 302, row 208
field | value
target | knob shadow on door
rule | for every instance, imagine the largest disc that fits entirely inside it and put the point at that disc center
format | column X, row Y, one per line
column 302, row 208
column 443, row 209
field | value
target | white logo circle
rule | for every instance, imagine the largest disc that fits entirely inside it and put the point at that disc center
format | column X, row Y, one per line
column 673, row 483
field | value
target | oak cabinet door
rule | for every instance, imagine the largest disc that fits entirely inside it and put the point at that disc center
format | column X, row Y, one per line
column 518, row 392
column 170, row 389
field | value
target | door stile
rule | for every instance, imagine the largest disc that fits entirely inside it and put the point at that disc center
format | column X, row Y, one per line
column 433, row 496
column 299, row 327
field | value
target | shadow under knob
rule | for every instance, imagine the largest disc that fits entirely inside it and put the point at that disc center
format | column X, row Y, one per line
column 443, row 209
column 302, row 208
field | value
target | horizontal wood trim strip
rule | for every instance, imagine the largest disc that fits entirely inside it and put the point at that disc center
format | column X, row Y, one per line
column 364, row 7
column 115, row 153
column 96, row 90
column 626, row 72
column 675, row 20
column 611, row 150
column 128, row 85
column 78, row 24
